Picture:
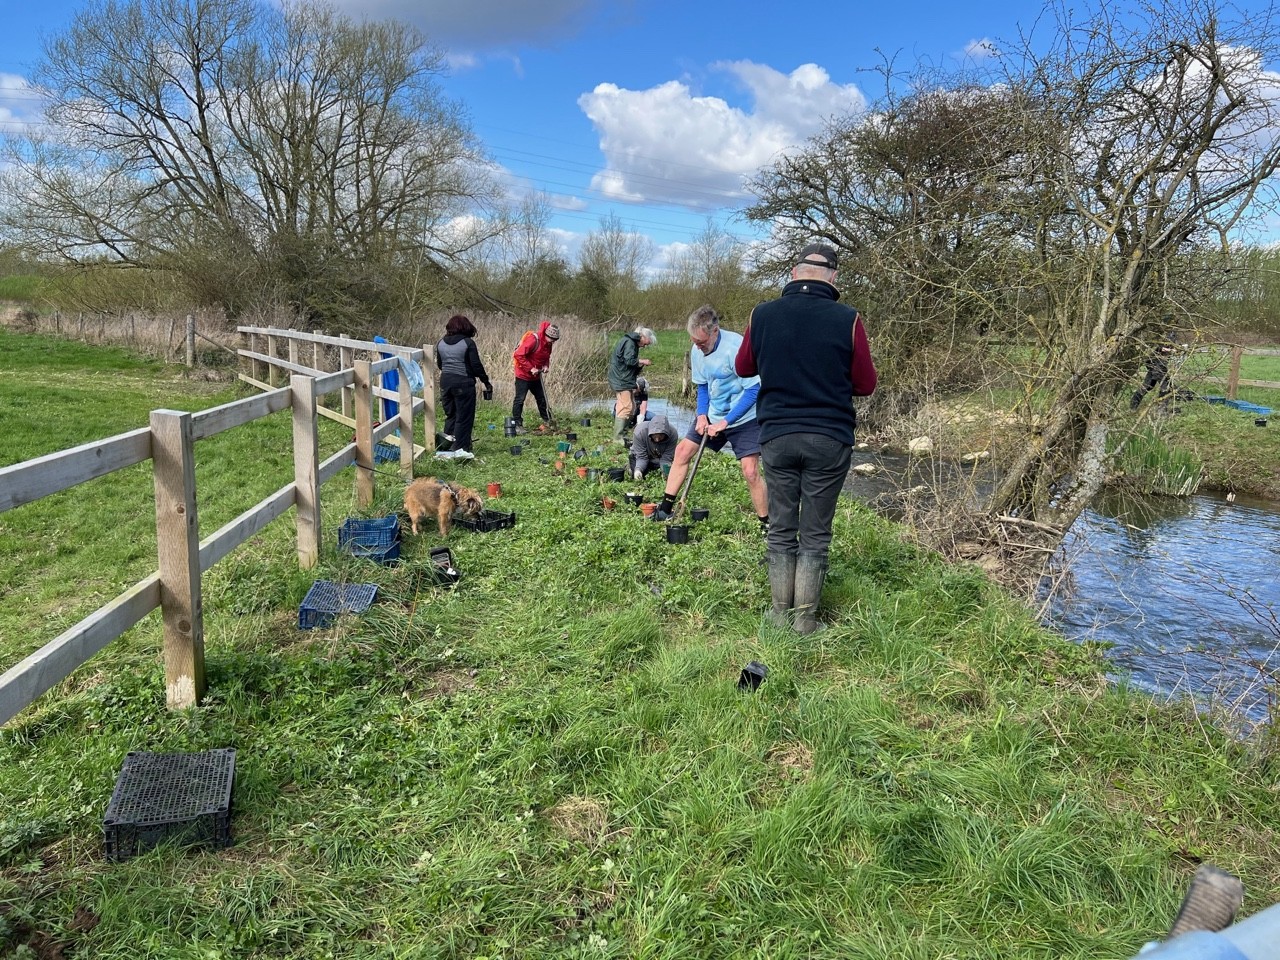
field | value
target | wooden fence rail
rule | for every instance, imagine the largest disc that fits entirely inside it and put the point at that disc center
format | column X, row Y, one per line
column 182, row 557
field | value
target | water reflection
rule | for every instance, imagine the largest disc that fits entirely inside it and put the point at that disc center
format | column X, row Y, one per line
column 1185, row 589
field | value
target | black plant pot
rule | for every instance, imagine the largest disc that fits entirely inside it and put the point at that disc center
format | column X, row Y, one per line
column 698, row 514
column 517, row 449
column 752, row 675
column 677, row 533
column 635, row 499
column 617, row 474
column 585, row 421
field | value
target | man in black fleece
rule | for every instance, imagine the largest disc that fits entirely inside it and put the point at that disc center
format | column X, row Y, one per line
column 812, row 358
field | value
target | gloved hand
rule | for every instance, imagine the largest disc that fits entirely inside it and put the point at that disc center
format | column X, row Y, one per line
column 488, row 391
column 638, row 475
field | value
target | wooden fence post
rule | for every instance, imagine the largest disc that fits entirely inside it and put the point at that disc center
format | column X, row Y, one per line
column 346, row 356
column 1233, row 378
column 429, row 397
column 406, row 427
column 191, row 341
column 178, row 547
column 306, row 468
column 364, row 433
column 271, row 367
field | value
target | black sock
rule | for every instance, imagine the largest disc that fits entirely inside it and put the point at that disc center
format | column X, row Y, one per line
column 764, row 521
column 668, row 501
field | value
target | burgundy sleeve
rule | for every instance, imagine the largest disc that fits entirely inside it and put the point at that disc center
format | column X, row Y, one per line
column 861, row 370
column 745, row 362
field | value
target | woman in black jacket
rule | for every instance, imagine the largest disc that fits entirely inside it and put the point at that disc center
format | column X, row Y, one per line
column 460, row 368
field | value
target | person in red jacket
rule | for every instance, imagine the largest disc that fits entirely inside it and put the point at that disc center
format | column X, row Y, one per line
column 812, row 357
column 532, row 357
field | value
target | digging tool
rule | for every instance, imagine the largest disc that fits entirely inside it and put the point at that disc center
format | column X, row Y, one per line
column 688, row 481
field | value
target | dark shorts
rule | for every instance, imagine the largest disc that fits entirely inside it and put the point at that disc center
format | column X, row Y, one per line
column 744, row 438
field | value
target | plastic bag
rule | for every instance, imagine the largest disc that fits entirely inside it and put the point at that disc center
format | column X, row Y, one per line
column 417, row 382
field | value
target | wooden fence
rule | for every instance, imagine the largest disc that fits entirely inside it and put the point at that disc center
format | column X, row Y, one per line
column 169, row 442
column 1232, row 379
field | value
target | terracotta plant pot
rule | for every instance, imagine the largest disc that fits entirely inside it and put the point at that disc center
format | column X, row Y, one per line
column 582, row 472
column 494, row 489
column 559, row 466
column 648, row 508
column 608, row 503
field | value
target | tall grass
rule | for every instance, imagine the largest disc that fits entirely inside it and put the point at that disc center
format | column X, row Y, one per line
column 1152, row 466
column 554, row 759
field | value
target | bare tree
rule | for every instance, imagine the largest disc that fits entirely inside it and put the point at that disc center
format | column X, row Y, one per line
column 1058, row 201
column 252, row 150
column 1154, row 134
column 616, row 260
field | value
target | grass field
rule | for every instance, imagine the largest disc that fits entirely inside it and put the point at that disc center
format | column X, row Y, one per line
column 554, row 759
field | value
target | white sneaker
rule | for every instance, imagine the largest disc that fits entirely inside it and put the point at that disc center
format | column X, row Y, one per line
column 463, row 455
column 446, row 455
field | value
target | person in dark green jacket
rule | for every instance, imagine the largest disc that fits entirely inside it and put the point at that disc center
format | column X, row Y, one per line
column 625, row 365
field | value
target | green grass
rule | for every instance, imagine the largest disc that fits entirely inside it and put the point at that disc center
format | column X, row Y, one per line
column 23, row 288
column 553, row 760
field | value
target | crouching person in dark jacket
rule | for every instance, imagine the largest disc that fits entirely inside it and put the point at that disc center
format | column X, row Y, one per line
column 652, row 445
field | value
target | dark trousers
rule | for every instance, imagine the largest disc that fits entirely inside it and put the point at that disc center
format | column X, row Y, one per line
column 524, row 387
column 1157, row 373
column 804, row 473
column 458, row 396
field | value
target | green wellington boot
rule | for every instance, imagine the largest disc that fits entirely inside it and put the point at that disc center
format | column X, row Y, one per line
column 782, row 580
column 811, row 572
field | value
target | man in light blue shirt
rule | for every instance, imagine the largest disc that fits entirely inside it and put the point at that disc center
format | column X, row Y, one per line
column 726, row 412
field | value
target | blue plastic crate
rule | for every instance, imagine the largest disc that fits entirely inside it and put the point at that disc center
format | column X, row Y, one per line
column 326, row 599
column 376, row 539
column 370, row 532
column 386, row 453
column 1244, row 405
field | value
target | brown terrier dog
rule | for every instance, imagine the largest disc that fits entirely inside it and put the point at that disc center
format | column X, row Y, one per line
column 427, row 495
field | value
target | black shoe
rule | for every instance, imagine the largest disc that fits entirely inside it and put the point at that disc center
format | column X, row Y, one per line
column 661, row 515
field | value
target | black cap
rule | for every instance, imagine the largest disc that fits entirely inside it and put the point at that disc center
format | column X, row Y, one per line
column 818, row 255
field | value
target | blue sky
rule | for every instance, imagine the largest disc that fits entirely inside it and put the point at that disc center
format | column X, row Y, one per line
column 649, row 111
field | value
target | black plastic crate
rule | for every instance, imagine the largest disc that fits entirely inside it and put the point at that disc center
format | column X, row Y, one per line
column 326, row 599
column 162, row 796
column 442, row 567
column 376, row 539
column 486, row 520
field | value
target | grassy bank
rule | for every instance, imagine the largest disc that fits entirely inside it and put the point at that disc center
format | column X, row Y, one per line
column 553, row 760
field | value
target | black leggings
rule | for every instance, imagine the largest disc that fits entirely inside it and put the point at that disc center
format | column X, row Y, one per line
column 458, row 396
column 524, row 387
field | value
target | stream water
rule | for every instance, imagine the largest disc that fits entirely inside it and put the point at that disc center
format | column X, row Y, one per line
column 1184, row 591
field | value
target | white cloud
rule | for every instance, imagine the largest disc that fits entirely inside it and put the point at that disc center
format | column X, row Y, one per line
column 665, row 144
column 977, row 51
column 20, row 103
column 482, row 24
